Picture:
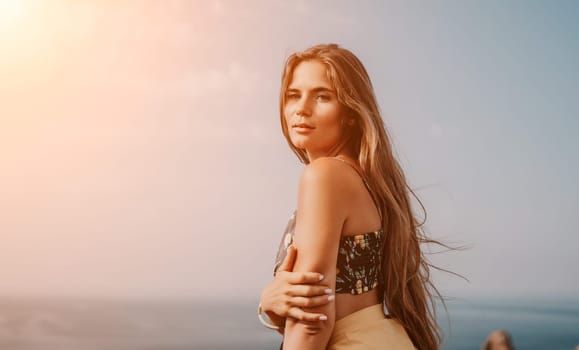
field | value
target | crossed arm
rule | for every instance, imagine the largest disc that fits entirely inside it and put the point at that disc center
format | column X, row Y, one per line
column 290, row 291
column 320, row 216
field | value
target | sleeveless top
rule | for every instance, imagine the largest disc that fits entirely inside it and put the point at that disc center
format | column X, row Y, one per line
column 359, row 261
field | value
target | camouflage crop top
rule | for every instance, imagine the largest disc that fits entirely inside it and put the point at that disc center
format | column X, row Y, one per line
column 359, row 264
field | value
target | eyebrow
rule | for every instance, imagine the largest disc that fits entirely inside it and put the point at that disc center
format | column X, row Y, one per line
column 316, row 89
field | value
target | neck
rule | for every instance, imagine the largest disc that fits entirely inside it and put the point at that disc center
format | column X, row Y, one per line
column 342, row 151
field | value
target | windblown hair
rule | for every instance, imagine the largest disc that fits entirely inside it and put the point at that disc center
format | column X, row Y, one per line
column 407, row 291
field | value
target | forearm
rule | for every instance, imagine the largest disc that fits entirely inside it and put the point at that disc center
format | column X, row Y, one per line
column 300, row 335
column 277, row 320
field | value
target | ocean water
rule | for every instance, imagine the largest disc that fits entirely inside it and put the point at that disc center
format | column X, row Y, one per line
column 83, row 324
column 533, row 324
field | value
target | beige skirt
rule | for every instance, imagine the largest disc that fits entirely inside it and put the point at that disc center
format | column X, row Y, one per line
column 369, row 329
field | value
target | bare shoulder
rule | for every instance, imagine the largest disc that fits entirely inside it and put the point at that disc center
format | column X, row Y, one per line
column 329, row 172
column 325, row 186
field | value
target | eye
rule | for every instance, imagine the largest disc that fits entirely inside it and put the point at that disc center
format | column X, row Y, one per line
column 292, row 95
column 323, row 97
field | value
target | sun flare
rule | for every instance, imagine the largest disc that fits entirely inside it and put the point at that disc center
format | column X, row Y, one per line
column 11, row 13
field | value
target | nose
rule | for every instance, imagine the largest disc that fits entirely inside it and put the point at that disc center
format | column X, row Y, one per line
column 303, row 108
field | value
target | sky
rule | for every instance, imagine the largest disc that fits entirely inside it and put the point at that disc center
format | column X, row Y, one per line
column 141, row 153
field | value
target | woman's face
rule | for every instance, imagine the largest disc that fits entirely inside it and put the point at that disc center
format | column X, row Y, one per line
column 312, row 111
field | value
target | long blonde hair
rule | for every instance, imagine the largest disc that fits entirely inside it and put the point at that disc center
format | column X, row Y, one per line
column 407, row 291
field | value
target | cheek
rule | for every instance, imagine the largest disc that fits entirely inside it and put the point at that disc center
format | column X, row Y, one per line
column 287, row 112
column 331, row 117
column 288, row 122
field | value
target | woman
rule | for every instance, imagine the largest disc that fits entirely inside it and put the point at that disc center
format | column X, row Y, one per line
column 353, row 224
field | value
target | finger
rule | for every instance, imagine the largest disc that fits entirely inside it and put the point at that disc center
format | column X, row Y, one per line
column 312, row 301
column 308, row 290
column 303, row 316
column 305, row 277
column 290, row 259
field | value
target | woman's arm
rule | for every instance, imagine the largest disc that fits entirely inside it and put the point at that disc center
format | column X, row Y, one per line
column 290, row 291
column 320, row 216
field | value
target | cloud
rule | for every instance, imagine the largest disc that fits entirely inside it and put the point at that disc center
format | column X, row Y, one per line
column 233, row 134
column 306, row 9
column 234, row 78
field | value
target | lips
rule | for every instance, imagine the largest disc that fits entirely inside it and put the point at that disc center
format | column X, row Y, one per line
column 302, row 125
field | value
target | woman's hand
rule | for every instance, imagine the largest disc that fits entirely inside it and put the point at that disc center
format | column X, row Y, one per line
column 290, row 291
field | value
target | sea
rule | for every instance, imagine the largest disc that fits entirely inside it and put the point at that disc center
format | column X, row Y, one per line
column 130, row 324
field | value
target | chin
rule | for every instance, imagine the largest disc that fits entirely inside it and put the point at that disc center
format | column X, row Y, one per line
column 300, row 143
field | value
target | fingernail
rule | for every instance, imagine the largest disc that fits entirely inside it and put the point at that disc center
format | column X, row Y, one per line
column 331, row 297
column 327, row 291
column 323, row 318
column 321, row 277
